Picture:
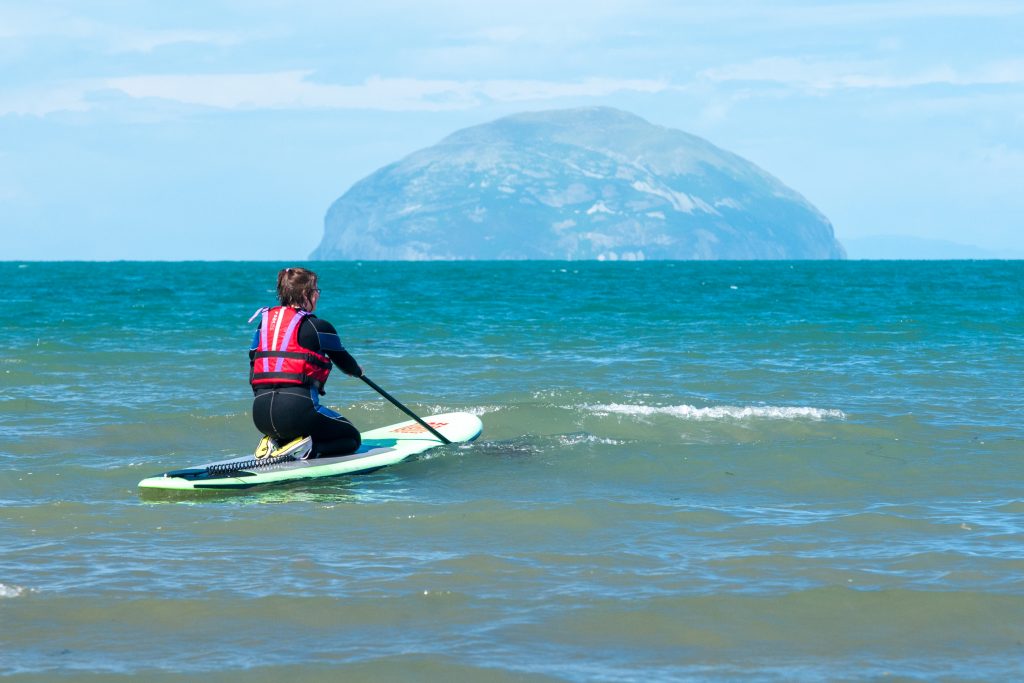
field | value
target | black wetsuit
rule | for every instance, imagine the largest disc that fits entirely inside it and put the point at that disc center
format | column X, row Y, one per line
column 288, row 411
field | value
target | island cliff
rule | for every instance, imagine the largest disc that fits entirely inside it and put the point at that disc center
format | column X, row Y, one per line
column 594, row 183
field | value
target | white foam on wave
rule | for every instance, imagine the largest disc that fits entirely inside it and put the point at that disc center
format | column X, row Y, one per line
column 688, row 412
column 577, row 439
column 479, row 411
column 12, row 591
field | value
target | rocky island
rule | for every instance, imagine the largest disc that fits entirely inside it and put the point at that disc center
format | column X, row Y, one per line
column 593, row 183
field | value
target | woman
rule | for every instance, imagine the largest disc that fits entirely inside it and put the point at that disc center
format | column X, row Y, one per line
column 289, row 362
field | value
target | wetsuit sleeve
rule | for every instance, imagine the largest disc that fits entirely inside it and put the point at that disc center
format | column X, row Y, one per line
column 323, row 336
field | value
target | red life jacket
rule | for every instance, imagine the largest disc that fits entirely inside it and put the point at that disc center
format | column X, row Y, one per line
column 277, row 357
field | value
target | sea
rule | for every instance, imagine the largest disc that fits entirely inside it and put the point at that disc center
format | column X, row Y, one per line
column 689, row 471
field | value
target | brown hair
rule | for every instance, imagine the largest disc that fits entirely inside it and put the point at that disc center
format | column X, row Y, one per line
column 295, row 287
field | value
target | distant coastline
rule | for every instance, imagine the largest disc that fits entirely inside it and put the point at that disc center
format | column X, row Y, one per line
column 909, row 248
column 855, row 256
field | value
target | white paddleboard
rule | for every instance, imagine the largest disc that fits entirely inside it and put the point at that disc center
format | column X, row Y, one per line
column 381, row 447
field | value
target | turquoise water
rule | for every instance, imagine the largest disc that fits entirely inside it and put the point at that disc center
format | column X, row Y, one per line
column 689, row 471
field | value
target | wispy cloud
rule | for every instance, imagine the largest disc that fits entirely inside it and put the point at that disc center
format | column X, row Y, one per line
column 43, row 101
column 818, row 14
column 871, row 12
column 137, row 40
column 828, row 75
column 295, row 90
column 34, row 23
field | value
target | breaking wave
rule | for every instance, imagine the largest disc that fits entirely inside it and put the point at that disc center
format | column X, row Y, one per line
column 7, row 591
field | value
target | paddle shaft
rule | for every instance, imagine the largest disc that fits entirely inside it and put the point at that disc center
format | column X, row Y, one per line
column 373, row 385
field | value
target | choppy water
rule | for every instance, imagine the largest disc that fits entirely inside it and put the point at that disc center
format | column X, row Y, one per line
column 689, row 471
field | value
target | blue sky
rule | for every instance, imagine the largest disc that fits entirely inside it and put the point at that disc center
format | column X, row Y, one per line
column 224, row 129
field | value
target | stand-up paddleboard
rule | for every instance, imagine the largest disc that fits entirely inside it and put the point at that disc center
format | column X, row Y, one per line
column 381, row 447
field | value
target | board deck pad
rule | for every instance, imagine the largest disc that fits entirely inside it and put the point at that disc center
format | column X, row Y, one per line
column 381, row 447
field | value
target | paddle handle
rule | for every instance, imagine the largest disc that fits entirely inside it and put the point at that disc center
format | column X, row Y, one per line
column 373, row 385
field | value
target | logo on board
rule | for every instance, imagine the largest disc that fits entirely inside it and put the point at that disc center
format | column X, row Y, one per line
column 416, row 429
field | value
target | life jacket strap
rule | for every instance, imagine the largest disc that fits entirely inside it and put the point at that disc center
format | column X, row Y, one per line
column 296, row 355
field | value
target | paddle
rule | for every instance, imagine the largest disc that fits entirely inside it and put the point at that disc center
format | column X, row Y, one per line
column 405, row 410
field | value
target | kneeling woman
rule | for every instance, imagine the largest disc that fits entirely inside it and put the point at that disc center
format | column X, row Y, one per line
column 289, row 361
